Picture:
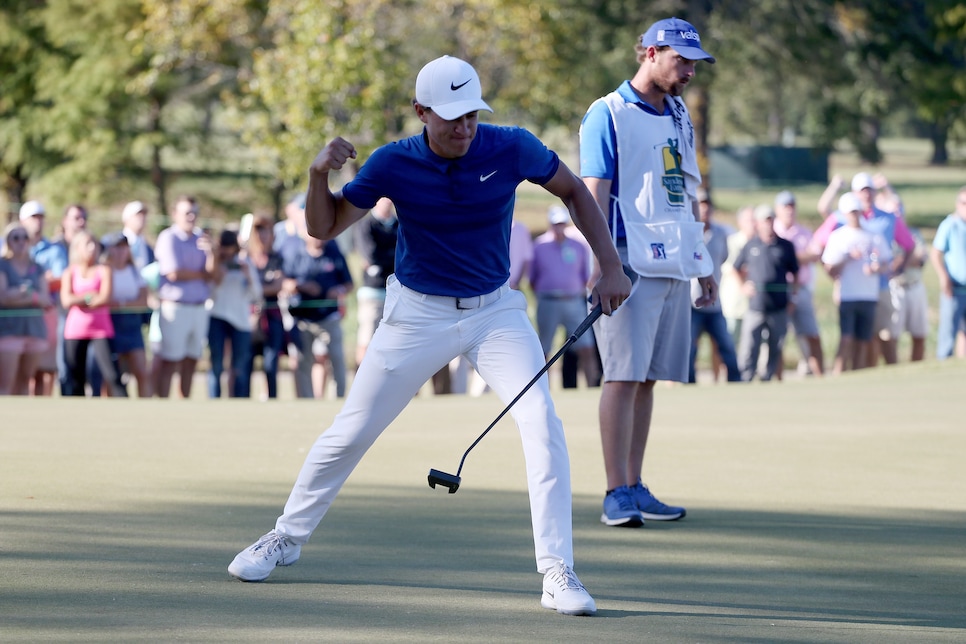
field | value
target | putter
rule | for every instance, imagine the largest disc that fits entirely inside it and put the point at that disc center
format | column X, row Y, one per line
column 452, row 481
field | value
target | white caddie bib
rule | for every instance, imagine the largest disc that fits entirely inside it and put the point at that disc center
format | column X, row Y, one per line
column 663, row 239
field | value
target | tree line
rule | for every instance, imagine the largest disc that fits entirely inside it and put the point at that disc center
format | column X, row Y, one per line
column 98, row 99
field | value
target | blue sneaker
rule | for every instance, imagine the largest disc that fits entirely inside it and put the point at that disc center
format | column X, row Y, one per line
column 651, row 508
column 620, row 509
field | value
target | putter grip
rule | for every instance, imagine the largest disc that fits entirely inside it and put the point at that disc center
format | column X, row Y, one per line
column 587, row 323
column 596, row 312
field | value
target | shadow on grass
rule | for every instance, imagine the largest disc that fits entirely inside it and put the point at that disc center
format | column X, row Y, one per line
column 417, row 557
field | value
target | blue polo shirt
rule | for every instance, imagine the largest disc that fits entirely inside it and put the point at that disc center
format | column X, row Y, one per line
column 951, row 240
column 51, row 256
column 598, row 147
column 454, row 214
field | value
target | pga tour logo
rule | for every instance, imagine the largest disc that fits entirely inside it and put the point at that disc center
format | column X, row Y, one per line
column 684, row 35
column 657, row 251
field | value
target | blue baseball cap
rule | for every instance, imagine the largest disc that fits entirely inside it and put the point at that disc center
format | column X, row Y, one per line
column 679, row 35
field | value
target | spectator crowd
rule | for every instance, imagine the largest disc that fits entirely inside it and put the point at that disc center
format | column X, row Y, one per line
column 875, row 261
column 92, row 316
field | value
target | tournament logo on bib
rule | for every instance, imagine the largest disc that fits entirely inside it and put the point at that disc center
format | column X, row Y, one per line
column 673, row 177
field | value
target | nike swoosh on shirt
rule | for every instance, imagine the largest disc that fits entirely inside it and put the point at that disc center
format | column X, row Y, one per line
column 456, row 87
column 484, row 177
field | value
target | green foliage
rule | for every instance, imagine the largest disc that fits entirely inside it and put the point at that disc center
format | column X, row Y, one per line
column 24, row 151
column 329, row 70
column 83, row 90
column 102, row 99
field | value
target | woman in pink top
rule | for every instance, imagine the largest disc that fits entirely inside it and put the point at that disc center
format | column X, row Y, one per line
column 85, row 291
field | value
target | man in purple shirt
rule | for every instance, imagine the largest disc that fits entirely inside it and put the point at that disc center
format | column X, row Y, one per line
column 521, row 252
column 559, row 275
column 186, row 262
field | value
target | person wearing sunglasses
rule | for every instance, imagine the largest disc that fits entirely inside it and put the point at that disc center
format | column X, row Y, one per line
column 23, row 298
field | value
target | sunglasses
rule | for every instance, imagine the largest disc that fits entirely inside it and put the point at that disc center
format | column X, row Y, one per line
column 17, row 238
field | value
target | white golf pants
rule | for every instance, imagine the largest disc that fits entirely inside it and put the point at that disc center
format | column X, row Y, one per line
column 418, row 335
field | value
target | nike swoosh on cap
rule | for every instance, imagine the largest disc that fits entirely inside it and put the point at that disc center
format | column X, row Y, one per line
column 484, row 177
column 456, row 87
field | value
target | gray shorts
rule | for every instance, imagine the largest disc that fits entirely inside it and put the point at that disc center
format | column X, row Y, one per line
column 911, row 305
column 552, row 313
column 803, row 315
column 368, row 314
column 649, row 337
column 884, row 311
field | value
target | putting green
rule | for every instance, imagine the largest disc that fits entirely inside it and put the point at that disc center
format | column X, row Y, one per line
column 818, row 510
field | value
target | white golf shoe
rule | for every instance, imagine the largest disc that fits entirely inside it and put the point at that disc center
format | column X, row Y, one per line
column 257, row 561
column 564, row 593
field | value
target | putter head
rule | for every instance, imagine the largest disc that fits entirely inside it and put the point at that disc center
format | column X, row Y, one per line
column 450, row 481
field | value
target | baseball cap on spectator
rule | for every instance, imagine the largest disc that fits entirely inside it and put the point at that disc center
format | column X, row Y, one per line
column 861, row 181
column 111, row 240
column 785, row 198
column 228, row 239
column 703, row 196
column 31, row 209
column 450, row 87
column 133, row 208
column 849, row 203
column 764, row 212
column 558, row 215
column 679, row 35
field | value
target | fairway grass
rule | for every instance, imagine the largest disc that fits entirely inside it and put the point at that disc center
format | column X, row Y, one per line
column 818, row 511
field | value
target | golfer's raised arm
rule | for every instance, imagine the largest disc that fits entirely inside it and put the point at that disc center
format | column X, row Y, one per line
column 613, row 287
column 326, row 213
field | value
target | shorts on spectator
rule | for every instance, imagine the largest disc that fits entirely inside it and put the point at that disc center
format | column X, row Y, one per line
column 857, row 319
column 23, row 344
column 803, row 315
column 911, row 305
column 369, row 314
column 184, row 330
column 884, row 311
column 127, row 332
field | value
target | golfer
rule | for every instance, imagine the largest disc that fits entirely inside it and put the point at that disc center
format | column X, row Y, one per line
column 453, row 186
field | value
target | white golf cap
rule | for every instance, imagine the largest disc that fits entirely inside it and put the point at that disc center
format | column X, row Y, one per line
column 558, row 215
column 450, row 87
column 849, row 203
column 764, row 212
column 132, row 209
column 30, row 209
column 861, row 181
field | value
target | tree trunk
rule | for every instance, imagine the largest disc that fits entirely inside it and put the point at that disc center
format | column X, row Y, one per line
column 698, row 108
column 697, row 12
column 158, row 175
column 939, row 134
column 867, row 143
column 277, row 205
column 15, row 185
column 159, row 180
